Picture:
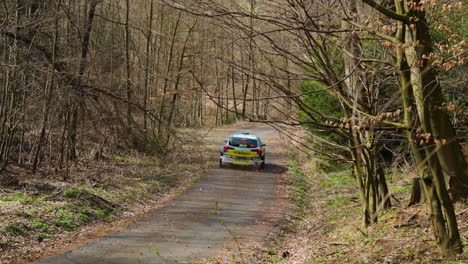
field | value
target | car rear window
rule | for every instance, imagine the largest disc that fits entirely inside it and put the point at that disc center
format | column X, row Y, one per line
column 243, row 142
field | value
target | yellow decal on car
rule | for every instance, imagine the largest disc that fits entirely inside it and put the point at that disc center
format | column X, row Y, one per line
column 241, row 161
column 242, row 153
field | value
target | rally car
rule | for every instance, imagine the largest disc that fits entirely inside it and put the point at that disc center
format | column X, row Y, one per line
column 243, row 149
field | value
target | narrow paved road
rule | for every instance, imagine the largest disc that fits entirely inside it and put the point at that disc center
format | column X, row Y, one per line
column 190, row 227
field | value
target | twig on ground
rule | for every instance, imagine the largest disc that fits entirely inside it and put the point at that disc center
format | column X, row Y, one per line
column 406, row 225
column 362, row 232
column 462, row 212
column 329, row 254
column 338, row 243
column 396, row 199
column 413, row 216
column 57, row 193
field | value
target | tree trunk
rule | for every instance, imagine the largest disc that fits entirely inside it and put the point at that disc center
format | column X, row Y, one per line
column 77, row 96
column 373, row 183
column 417, row 193
column 177, row 82
column 127, row 65
column 418, row 80
column 168, row 70
column 450, row 155
column 148, row 67
column 48, row 94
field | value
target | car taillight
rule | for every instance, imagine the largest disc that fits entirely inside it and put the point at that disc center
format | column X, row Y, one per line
column 226, row 148
column 257, row 150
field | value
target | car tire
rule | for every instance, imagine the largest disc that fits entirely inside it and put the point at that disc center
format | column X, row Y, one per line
column 262, row 166
column 220, row 163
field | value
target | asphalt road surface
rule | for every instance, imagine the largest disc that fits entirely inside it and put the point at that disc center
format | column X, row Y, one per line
column 190, row 227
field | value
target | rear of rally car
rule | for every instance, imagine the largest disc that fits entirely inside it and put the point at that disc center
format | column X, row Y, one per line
column 243, row 149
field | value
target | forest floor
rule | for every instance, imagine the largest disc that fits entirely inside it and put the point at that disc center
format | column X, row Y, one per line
column 326, row 223
column 50, row 212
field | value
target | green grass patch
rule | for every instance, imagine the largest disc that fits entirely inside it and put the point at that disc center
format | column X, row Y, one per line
column 336, row 180
column 77, row 194
column 83, row 218
column 301, row 188
column 24, row 198
column 339, row 191
column 17, row 229
column 65, row 220
column 156, row 185
column 41, row 226
column 103, row 214
column 272, row 256
column 338, row 201
column 387, row 215
column 18, row 196
column 402, row 188
column 67, row 224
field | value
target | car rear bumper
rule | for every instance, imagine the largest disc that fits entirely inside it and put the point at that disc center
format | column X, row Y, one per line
column 241, row 160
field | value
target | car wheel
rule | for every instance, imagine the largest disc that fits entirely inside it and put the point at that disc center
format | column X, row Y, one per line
column 262, row 166
column 220, row 163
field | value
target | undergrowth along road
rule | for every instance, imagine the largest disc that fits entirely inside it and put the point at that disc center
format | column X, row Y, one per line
column 43, row 215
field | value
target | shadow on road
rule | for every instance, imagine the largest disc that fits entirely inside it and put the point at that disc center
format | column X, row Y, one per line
column 269, row 168
column 275, row 169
